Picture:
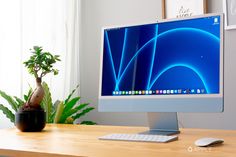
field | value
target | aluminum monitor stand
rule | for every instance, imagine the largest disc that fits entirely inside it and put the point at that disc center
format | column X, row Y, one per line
column 162, row 123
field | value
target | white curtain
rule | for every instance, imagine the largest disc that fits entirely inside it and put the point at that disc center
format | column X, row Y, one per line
column 52, row 24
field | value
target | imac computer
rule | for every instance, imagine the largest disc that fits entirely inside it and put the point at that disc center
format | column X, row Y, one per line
column 163, row 68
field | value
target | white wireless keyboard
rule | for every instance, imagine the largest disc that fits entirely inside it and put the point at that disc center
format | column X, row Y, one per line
column 139, row 137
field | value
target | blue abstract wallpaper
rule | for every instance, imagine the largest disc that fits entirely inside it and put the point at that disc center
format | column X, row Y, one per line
column 178, row 57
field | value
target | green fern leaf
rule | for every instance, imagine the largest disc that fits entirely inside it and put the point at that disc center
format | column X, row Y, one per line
column 59, row 110
column 69, row 96
column 51, row 118
column 85, row 111
column 88, row 123
column 8, row 113
column 47, row 101
column 26, row 97
column 54, row 107
column 71, row 112
column 19, row 102
column 69, row 105
column 10, row 100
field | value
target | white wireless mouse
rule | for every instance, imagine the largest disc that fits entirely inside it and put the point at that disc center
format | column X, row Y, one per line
column 208, row 141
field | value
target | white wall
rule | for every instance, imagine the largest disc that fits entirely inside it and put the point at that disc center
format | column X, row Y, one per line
column 99, row 13
column 5, row 122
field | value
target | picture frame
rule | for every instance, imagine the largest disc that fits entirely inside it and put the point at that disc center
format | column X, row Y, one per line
column 183, row 8
column 229, row 7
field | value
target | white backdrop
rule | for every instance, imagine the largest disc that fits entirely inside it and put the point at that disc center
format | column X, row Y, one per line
column 52, row 24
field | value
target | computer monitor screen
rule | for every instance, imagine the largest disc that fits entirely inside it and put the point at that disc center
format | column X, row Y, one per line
column 175, row 66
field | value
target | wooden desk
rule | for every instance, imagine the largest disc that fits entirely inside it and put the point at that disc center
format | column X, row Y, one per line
column 79, row 140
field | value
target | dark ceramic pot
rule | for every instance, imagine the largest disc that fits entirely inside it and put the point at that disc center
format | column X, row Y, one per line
column 30, row 121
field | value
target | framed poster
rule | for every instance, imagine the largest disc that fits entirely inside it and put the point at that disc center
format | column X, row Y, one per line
column 182, row 8
column 230, row 13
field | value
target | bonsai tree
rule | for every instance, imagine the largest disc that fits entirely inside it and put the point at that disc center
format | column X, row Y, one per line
column 39, row 65
column 62, row 111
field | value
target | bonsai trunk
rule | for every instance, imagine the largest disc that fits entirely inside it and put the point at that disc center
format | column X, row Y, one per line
column 32, row 117
column 37, row 95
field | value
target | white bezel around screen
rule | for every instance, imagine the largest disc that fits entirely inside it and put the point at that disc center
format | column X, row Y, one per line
column 149, row 103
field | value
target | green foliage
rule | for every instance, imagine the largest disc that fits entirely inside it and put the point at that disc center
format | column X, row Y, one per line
column 15, row 104
column 88, row 123
column 19, row 102
column 41, row 63
column 8, row 113
column 27, row 96
column 10, row 100
column 82, row 113
column 70, row 95
column 55, row 106
column 47, row 101
column 71, row 110
column 59, row 110
column 66, row 111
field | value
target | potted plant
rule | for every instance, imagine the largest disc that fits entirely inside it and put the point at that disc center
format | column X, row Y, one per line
column 31, row 116
column 28, row 114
